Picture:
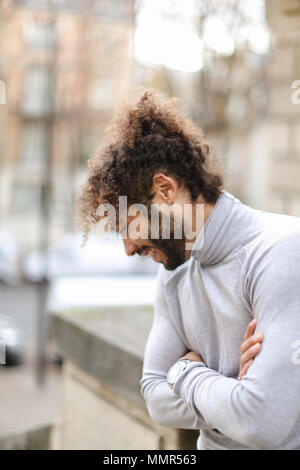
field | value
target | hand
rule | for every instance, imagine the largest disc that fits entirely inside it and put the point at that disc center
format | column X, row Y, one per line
column 249, row 348
column 193, row 356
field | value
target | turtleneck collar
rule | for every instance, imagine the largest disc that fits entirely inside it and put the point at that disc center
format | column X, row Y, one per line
column 223, row 231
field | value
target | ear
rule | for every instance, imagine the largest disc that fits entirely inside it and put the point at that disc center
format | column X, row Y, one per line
column 164, row 189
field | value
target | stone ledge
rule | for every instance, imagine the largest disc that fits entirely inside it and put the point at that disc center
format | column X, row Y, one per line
column 106, row 344
column 36, row 438
column 97, row 417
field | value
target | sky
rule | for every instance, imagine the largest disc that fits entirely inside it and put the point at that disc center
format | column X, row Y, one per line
column 167, row 33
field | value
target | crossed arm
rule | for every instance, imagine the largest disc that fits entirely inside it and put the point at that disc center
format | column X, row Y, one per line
column 163, row 405
column 250, row 347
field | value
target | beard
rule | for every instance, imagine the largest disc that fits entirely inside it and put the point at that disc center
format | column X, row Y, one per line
column 173, row 248
column 174, row 251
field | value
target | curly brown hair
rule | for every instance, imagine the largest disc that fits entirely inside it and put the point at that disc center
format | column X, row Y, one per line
column 147, row 137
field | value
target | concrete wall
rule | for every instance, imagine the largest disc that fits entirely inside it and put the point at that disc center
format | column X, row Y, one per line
column 97, row 417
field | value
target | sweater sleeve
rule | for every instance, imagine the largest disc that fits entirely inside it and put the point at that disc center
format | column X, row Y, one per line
column 260, row 410
column 163, row 348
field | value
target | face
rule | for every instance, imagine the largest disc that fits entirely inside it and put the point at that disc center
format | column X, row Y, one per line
column 168, row 251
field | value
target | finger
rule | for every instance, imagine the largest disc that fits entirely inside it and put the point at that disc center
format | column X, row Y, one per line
column 250, row 328
column 249, row 354
column 244, row 370
column 185, row 356
column 257, row 338
column 193, row 356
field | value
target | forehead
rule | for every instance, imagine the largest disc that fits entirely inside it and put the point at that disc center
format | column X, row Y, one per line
column 122, row 214
column 123, row 220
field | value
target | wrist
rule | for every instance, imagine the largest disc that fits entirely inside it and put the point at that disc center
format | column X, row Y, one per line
column 176, row 370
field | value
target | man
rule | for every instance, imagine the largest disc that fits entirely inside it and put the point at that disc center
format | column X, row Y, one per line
column 239, row 264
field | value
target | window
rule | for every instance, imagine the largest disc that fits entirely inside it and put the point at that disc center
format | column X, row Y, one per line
column 40, row 34
column 37, row 91
column 34, row 145
column 101, row 94
column 25, row 197
column 2, row 92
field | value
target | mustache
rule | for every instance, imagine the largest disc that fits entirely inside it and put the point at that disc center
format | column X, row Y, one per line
column 141, row 250
column 154, row 245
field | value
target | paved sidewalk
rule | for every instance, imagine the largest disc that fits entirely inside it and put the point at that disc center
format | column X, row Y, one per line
column 24, row 403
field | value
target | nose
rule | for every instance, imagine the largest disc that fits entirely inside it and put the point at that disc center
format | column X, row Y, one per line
column 130, row 247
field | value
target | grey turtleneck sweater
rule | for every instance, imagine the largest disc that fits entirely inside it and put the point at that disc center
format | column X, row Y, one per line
column 248, row 266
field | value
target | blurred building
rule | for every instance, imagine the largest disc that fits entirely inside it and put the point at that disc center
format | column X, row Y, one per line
column 66, row 65
column 226, row 93
column 282, row 174
column 243, row 101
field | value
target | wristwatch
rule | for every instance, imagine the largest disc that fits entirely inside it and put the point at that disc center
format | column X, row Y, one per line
column 176, row 369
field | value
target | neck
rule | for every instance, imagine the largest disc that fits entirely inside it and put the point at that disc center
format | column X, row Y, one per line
column 200, row 213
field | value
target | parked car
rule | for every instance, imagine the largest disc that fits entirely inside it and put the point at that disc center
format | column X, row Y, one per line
column 10, row 266
column 10, row 342
column 98, row 256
